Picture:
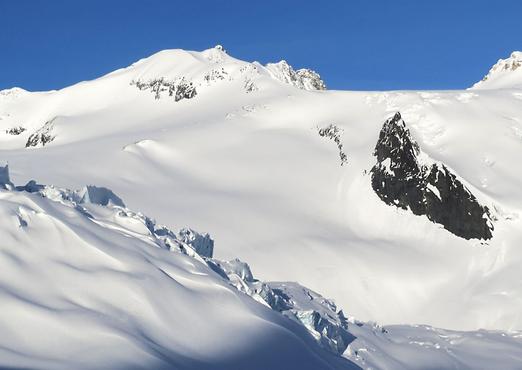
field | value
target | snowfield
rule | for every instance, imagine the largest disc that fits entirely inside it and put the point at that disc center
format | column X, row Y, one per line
column 88, row 283
column 278, row 171
column 87, row 286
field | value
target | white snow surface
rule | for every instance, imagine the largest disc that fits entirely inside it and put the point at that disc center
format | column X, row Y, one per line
column 506, row 73
column 243, row 161
column 420, row 347
column 87, row 286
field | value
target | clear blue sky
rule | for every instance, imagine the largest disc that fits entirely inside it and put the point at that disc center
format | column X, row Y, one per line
column 353, row 44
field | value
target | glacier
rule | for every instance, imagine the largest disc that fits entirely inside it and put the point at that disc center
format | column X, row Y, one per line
column 244, row 160
column 82, row 275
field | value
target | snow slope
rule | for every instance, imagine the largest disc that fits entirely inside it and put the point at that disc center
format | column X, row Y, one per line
column 243, row 160
column 506, row 73
column 403, row 347
column 86, row 285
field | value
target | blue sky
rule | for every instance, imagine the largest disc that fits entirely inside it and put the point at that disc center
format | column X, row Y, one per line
column 353, row 44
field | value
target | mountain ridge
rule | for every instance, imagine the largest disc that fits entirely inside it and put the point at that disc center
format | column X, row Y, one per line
column 252, row 168
column 506, row 73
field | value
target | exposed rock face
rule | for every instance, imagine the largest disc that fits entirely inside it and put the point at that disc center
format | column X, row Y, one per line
column 318, row 315
column 184, row 90
column 42, row 136
column 186, row 241
column 304, row 79
column 405, row 177
column 179, row 89
column 216, row 75
column 334, row 133
column 15, row 130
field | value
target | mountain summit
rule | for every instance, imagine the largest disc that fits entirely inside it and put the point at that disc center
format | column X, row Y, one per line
column 215, row 65
column 506, row 73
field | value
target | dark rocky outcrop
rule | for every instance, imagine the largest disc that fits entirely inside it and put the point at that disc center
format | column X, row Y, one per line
column 402, row 177
column 334, row 133
column 15, row 130
column 184, row 90
column 42, row 136
column 180, row 89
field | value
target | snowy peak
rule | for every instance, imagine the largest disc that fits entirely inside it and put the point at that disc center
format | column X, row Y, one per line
column 217, row 53
column 214, row 65
column 174, row 76
column 506, row 73
column 12, row 94
column 305, row 79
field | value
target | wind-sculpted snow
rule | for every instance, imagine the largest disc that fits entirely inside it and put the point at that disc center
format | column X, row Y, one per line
column 220, row 67
column 506, row 73
column 180, row 89
column 84, row 272
column 373, row 346
column 406, row 178
column 186, row 241
column 86, row 285
column 421, row 347
column 318, row 315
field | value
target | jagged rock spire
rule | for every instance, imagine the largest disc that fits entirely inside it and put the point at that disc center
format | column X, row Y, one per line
column 425, row 187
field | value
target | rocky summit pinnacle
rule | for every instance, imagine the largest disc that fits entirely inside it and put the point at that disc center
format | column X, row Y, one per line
column 506, row 73
column 401, row 178
column 305, row 79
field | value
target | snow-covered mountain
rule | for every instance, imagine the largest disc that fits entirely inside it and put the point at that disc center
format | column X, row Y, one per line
column 88, row 283
column 506, row 73
column 409, row 218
